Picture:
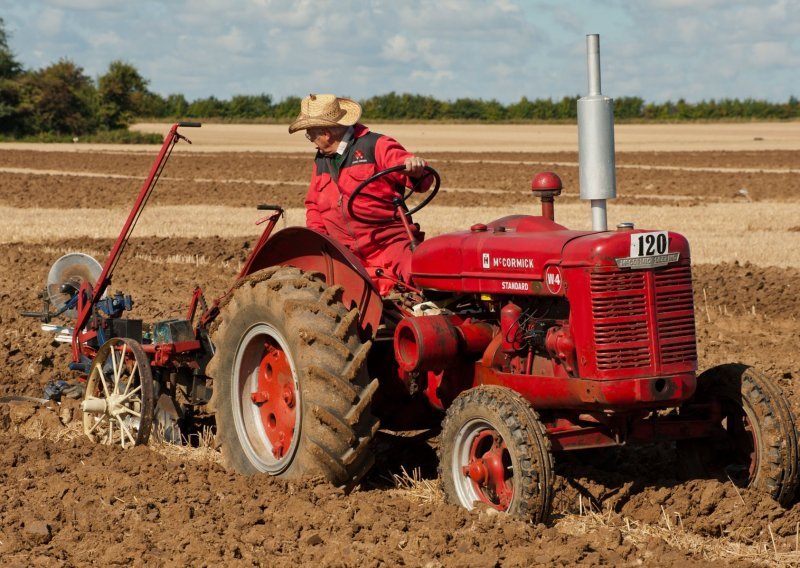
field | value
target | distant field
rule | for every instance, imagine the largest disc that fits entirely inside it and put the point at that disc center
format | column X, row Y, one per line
column 718, row 233
column 211, row 187
column 746, row 136
column 515, row 138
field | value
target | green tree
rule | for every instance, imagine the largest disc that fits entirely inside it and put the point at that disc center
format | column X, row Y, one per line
column 153, row 105
column 121, row 95
column 628, row 107
column 57, row 99
column 207, row 108
column 249, row 106
column 10, row 69
column 176, row 106
column 465, row 109
column 9, row 66
column 287, row 108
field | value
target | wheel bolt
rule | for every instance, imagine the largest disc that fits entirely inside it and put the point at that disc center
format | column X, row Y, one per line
column 259, row 397
column 288, row 396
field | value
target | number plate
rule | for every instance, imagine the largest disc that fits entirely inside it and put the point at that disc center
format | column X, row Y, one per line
column 648, row 250
column 649, row 244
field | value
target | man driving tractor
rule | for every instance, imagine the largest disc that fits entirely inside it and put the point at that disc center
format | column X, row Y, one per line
column 347, row 155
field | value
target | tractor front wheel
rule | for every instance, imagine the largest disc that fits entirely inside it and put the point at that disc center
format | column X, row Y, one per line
column 291, row 391
column 494, row 451
column 756, row 445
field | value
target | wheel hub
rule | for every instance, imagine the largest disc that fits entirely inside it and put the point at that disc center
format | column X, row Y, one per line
column 275, row 397
column 488, row 470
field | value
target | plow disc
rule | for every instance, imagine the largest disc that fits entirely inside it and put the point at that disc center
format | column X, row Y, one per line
column 66, row 276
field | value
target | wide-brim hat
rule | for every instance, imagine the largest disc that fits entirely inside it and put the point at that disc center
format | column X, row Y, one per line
column 325, row 110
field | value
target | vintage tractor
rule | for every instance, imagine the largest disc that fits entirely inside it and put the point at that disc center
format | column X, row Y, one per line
column 518, row 337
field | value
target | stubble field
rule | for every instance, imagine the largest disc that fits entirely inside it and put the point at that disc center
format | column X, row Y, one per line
column 734, row 192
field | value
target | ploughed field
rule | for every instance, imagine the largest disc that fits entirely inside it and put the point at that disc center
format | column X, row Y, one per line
column 65, row 501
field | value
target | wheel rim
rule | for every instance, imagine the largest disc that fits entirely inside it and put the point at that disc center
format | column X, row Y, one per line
column 266, row 399
column 482, row 468
column 118, row 404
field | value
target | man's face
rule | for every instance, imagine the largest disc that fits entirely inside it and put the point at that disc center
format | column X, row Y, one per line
column 323, row 139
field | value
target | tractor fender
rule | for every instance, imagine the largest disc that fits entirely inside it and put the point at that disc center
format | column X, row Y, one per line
column 311, row 251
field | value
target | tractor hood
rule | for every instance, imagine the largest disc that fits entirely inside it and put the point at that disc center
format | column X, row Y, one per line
column 523, row 254
column 506, row 255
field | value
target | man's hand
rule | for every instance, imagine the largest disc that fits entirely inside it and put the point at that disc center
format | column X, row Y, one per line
column 415, row 166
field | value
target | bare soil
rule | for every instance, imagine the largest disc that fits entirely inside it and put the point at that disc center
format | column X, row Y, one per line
column 66, row 502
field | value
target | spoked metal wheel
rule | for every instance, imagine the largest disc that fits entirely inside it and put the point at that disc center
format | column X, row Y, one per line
column 266, row 396
column 494, row 451
column 118, row 405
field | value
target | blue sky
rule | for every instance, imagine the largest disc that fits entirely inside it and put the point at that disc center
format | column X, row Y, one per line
column 490, row 49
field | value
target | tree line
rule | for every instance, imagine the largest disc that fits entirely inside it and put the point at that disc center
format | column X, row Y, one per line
column 61, row 100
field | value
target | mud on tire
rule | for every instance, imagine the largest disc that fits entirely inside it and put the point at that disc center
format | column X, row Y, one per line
column 494, row 450
column 759, row 448
column 291, row 390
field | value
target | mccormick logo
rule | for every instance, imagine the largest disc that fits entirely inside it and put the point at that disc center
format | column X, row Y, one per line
column 359, row 158
column 506, row 262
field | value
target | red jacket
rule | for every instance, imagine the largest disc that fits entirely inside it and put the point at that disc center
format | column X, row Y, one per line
column 326, row 201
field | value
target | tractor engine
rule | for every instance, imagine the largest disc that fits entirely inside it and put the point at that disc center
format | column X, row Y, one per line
column 569, row 319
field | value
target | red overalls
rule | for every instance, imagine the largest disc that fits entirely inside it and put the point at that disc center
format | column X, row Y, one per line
column 378, row 246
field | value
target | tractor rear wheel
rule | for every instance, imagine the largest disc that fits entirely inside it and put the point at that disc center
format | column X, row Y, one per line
column 757, row 445
column 494, row 451
column 291, row 390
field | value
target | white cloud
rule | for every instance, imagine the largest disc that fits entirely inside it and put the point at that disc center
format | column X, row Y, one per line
column 105, row 40
column 501, row 49
column 83, row 4
column 773, row 54
column 234, row 41
column 398, row 48
column 49, row 21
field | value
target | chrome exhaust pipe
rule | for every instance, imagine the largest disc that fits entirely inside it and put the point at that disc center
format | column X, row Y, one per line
column 598, row 181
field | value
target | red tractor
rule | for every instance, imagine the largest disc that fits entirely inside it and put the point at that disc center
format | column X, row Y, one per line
column 520, row 338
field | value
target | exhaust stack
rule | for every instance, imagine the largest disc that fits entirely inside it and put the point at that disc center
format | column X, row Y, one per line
column 596, row 141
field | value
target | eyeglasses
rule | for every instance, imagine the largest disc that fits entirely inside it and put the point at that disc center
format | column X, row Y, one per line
column 311, row 136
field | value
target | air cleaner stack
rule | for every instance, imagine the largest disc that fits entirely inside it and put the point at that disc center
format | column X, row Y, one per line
column 596, row 141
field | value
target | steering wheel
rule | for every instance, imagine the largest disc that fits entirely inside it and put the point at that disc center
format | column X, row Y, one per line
column 398, row 201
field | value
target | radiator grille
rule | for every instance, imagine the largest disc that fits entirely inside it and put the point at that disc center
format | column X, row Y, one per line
column 619, row 311
column 675, row 314
column 622, row 332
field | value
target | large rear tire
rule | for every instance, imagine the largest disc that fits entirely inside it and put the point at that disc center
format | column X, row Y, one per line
column 291, row 391
column 757, row 442
column 494, row 451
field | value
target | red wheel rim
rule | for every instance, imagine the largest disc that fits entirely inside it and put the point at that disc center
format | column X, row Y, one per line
column 276, row 398
column 490, row 470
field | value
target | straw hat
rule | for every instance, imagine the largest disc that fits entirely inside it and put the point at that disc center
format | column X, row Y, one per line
column 325, row 110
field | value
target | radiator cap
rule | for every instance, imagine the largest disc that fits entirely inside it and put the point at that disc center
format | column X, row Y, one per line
column 546, row 181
